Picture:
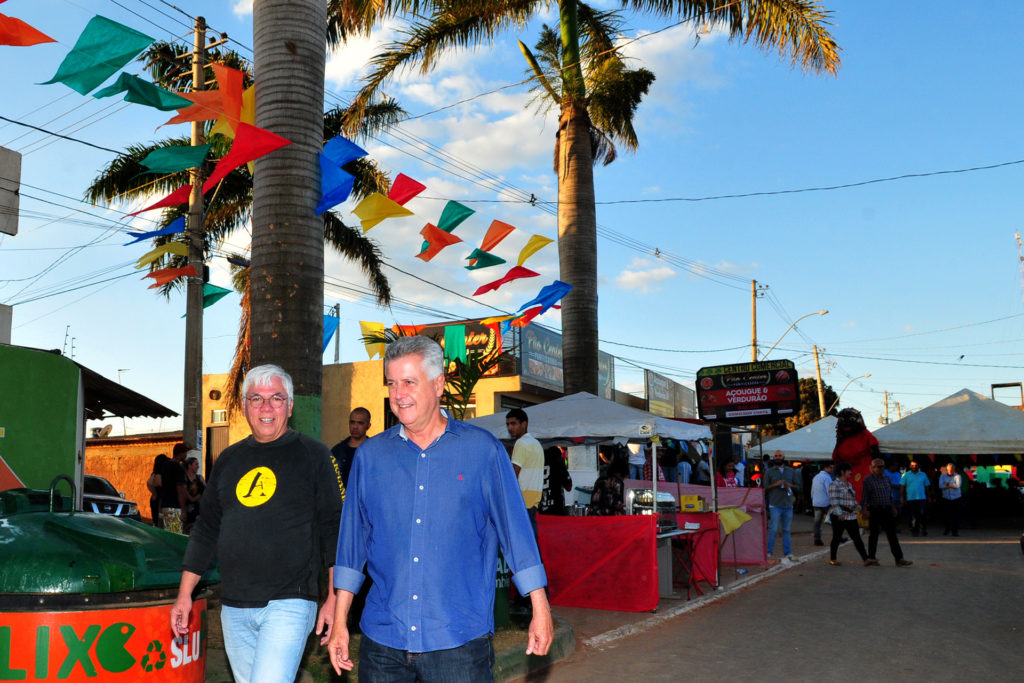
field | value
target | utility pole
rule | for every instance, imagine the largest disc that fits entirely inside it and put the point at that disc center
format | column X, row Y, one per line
column 899, row 411
column 192, row 420
column 753, row 321
column 337, row 334
column 821, row 391
column 885, row 397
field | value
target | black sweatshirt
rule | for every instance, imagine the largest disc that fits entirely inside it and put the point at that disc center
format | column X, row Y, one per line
column 269, row 512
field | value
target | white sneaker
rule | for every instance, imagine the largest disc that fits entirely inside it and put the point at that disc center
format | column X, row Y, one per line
column 791, row 558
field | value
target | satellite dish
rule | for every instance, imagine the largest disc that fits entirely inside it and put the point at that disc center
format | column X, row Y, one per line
column 105, row 431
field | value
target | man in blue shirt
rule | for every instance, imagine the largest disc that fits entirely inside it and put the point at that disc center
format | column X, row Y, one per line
column 914, row 486
column 428, row 503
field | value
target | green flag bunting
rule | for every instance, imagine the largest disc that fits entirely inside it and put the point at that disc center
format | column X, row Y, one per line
column 455, row 343
column 484, row 259
column 212, row 294
column 103, row 47
column 143, row 92
column 174, row 159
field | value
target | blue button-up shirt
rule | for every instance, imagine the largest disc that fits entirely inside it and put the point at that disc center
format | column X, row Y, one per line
column 427, row 522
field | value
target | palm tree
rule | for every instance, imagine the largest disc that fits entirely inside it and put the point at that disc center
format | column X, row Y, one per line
column 229, row 207
column 582, row 72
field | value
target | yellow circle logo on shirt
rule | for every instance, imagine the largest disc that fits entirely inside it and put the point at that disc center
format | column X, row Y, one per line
column 256, row 487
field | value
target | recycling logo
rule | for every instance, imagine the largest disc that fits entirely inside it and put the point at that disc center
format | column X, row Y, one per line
column 155, row 657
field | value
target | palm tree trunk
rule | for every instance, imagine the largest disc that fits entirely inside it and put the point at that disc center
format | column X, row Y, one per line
column 577, row 249
column 287, row 270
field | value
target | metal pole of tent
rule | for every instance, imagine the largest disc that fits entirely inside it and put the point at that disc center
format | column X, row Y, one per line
column 713, row 466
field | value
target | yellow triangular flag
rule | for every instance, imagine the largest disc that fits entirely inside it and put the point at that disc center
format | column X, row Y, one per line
column 376, row 207
column 535, row 244
column 178, row 248
column 372, row 349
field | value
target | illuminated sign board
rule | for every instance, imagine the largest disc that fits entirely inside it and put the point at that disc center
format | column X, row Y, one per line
column 748, row 393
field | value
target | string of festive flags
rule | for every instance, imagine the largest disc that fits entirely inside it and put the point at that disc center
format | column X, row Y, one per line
column 105, row 46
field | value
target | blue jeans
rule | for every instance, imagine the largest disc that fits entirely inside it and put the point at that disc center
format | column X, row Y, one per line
column 636, row 471
column 785, row 516
column 469, row 663
column 266, row 643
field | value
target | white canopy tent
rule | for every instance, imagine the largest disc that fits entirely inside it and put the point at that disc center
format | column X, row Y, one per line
column 594, row 419
column 813, row 442
column 965, row 423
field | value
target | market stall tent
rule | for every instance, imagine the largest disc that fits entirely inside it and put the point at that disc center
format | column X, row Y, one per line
column 813, row 442
column 965, row 423
column 594, row 420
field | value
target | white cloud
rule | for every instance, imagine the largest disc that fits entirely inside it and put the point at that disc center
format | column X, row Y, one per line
column 242, row 8
column 644, row 275
column 850, row 324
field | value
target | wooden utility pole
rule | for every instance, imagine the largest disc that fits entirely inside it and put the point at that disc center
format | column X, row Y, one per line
column 885, row 397
column 821, row 391
column 192, row 418
column 753, row 321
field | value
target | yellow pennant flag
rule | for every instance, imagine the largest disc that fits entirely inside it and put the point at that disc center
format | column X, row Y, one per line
column 372, row 348
column 535, row 244
column 177, row 248
column 496, row 319
column 376, row 207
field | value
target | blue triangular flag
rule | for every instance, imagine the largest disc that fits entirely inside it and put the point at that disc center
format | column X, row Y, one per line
column 335, row 185
column 548, row 296
column 330, row 327
column 178, row 225
column 341, row 151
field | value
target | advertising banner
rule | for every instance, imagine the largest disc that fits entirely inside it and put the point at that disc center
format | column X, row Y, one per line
column 661, row 394
column 479, row 337
column 748, row 393
column 686, row 401
column 541, row 355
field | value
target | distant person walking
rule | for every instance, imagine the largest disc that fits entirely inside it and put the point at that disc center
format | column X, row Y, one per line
column 821, row 500
column 876, row 500
column 781, row 485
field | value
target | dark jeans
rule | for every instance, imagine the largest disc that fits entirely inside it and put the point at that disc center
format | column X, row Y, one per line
column 918, row 520
column 951, row 514
column 469, row 663
column 849, row 526
column 880, row 518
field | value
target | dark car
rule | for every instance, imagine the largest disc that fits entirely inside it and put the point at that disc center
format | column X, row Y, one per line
column 99, row 495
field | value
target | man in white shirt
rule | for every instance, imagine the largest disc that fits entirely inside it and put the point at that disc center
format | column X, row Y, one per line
column 819, row 498
column 527, row 459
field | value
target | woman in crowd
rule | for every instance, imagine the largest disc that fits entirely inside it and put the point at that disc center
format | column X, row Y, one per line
column 842, row 511
column 154, row 484
column 194, row 487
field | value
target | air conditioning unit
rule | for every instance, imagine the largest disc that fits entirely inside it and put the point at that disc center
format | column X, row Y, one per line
column 218, row 416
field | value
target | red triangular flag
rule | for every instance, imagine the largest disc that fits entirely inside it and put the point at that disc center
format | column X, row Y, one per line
column 438, row 239
column 250, row 143
column 162, row 277
column 404, row 188
column 514, row 273
column 525, row 319
column 179, row 196
column 16, row 32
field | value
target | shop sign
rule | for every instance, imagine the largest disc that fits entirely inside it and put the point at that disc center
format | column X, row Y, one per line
column 132, row 644
column 748, row 393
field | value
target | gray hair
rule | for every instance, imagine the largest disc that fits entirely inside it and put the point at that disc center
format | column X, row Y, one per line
column 262, row 375
column 431, row 355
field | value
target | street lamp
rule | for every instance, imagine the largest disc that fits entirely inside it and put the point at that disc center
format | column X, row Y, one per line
column 823, row 312
column 836, row 402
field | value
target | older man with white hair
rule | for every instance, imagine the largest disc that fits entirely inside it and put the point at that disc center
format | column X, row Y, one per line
column 270, row 512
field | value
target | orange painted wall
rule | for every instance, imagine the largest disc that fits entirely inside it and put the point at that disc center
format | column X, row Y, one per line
column 128, row 461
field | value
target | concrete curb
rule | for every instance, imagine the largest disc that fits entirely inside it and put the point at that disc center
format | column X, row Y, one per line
column 609, row 638
column 514, row 662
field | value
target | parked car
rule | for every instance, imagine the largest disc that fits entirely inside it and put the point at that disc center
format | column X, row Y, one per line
column 99, row 495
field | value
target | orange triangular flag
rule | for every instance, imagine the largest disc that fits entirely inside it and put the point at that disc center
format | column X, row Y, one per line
column 438, row 239
column 162, row 277
column 495, row 234
column 19, row 34
column 206, row 105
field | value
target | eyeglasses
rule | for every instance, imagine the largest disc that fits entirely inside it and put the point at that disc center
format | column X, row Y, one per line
column 257, row 401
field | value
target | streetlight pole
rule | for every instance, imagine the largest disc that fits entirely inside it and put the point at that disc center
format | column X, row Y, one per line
column 836, row 402
column 792, row 325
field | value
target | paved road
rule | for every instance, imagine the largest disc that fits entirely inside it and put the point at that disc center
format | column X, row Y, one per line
column 957, row 614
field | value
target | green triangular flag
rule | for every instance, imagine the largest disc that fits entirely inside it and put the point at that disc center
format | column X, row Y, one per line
column 103, row 47
column 143, row 92
column 455, row 342
column 484, row 259
column 174, row 159
column 212, row 294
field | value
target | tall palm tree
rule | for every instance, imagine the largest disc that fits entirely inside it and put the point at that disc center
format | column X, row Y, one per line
column 582, row 73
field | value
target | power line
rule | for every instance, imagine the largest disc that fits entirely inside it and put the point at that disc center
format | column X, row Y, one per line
column 58, row 135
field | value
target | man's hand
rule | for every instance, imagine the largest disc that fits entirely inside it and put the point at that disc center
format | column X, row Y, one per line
column 338, row 649
column 325, row 619
column 182, row 607
column 542, row 628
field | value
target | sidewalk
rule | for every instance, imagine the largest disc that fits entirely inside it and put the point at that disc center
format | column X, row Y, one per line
column 589, row 628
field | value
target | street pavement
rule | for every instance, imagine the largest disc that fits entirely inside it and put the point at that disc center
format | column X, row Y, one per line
column 954, row 615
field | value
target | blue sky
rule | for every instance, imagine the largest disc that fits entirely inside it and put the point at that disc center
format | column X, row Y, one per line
column 921, row 276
